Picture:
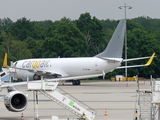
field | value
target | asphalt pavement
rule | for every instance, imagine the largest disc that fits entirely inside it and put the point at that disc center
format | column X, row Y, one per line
column 111, row 100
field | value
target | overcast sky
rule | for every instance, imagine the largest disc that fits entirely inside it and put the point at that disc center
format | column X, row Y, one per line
column 56, row 9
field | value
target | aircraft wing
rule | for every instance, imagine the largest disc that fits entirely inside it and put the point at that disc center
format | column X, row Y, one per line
column 52, row 80
column 147, row 64
column 40, row 72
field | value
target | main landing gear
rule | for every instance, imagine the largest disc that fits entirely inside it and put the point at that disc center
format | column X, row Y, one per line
column 76, row 82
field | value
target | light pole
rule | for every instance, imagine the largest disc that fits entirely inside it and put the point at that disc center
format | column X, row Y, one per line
column 129, row 7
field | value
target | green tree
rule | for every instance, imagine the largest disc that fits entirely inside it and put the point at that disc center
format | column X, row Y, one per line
column 5, row 24
column 67, row 41
column 93, row 33
column 141, row 43
column 20, row 51
column 16, row 49
column 35, row 46
column 21, row 29
column 42, row 29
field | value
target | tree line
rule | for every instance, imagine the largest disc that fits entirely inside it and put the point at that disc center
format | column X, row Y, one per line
column 84, row 37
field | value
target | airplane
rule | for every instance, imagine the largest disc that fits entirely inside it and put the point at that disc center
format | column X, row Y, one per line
column 74, row 69
column 64, row 69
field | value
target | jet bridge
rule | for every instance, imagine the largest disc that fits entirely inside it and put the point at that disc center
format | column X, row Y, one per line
column 59, row 96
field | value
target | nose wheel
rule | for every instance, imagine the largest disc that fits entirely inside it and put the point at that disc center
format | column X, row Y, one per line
column 76, row 82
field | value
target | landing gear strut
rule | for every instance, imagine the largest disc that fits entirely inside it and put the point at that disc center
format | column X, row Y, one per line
column 76, row 82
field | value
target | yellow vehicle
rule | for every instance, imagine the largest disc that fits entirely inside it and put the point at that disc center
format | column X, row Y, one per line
column 128, row 79
column 122, row 78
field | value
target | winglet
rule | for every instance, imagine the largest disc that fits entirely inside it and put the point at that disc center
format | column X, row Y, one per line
column 5, row 60
column 150, row 60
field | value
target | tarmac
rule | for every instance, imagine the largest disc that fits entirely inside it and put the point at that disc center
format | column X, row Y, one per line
column 112, row 101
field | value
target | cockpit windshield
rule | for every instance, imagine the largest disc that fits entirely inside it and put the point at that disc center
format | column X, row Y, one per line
column 15, row 63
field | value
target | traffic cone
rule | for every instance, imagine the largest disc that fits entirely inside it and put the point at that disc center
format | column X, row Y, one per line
column 105, row 112
column 22, row 117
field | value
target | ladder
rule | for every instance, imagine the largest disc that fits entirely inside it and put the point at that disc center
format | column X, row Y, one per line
column 5, row 72
column 2, row 75
column 144, row 102
column 59, row 96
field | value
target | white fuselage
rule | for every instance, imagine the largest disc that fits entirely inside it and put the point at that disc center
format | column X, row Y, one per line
column 66, row 66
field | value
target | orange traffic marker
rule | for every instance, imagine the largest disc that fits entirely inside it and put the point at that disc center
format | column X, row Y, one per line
column 22, row 117
column 105, row 112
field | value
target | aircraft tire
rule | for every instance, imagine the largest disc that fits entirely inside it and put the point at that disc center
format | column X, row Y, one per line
column 76, row 82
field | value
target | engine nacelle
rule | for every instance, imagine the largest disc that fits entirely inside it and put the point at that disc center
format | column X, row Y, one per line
column 15, row 101
column 31, row 76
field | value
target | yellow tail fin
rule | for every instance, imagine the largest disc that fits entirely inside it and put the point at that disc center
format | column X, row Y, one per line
column 5, row 63
column 150, row 60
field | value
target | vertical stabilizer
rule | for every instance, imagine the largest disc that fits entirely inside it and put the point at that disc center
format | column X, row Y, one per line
column 5, row 64
column 115, row 46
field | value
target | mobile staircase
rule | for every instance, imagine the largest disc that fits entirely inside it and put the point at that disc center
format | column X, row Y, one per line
column 144, row 102
column 2, row 75
column 59, row 96
column 147, row 101
column 5, row 72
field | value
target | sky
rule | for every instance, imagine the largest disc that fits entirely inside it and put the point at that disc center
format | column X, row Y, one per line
column 39, row 10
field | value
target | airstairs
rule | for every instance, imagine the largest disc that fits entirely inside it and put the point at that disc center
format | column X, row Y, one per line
column 144, row 102
column 2, row 75
column 59, row 96
column 5, row 72
column 147, row 108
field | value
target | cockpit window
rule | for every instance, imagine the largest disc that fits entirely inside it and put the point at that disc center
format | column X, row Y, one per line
column 15, row 63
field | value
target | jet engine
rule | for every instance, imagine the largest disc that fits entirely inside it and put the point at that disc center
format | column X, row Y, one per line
column 15, row 101
column 31, row 76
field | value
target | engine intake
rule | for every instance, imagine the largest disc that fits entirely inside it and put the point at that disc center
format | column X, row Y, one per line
column 15, row 101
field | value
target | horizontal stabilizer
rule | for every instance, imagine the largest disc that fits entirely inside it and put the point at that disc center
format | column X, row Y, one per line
column 150, row 60
column 130, row 66
column 147, row 64
column 132, row 59
column 111, row 59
